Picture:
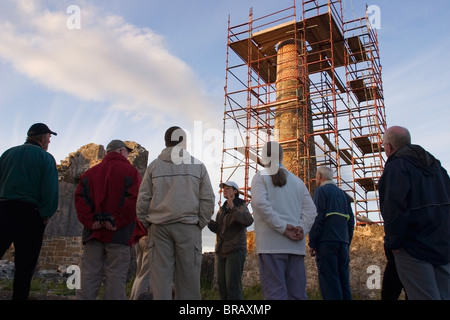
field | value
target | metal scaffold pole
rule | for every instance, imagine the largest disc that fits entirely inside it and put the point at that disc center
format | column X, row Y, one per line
column 312, row 83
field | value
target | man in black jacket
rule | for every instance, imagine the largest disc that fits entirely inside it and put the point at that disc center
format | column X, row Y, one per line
column 415, row 205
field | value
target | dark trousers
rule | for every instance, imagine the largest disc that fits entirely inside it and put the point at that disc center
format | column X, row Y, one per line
column 229, row 275
column 391, row 287
column 334, row 274
column 21, row 225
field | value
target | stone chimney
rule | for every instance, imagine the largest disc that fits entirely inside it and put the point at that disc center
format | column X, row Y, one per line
column 293, row 117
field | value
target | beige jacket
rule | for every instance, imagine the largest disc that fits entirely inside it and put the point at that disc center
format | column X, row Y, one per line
column 176, row 188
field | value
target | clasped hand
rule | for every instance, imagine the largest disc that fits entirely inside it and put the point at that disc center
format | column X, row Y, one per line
column 107, row 225
column 293, row 233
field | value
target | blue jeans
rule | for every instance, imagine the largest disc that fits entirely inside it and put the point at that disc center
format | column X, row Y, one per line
column 333, row 265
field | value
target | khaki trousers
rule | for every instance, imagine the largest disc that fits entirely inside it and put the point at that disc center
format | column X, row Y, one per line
column 175, row 260
column 141, row 282
column 108, row 261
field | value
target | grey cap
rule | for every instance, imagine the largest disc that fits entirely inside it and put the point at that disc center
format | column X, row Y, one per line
column 117, row 144
column 230, row 184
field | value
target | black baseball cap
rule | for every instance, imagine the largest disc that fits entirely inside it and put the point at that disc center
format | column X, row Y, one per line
column 39, row 128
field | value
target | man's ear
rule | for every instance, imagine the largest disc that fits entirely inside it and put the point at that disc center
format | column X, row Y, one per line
column 42, row 139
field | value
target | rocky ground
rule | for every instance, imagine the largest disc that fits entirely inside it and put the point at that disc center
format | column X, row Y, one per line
column 60, row 275
column 6, row 295
column 48, row 278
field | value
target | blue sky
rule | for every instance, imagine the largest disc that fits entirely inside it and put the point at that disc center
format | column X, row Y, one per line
column 135, row 68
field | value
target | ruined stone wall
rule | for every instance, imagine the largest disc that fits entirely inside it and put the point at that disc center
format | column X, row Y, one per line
column 60, row 251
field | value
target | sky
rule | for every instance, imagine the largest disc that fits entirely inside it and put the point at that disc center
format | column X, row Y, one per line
column 95, row 71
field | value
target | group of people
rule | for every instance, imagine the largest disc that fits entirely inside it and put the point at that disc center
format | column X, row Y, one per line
column 162, row 215
column 285, row 213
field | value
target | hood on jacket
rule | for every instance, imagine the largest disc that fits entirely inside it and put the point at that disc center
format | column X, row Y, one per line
column 419, row 157
column 175, row 155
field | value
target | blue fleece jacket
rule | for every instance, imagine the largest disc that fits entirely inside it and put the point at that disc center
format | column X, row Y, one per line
column 335, row 220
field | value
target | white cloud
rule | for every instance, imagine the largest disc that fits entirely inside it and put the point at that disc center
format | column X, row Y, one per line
column 108, row 60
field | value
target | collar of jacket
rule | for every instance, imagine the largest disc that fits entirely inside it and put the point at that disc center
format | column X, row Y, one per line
column 115, row 156
column 175, row 155
column 327, row 182
column 236, row 201
column 416, row 154
column 33, row 143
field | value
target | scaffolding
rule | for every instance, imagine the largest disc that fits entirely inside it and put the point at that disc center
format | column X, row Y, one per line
column 314, row 85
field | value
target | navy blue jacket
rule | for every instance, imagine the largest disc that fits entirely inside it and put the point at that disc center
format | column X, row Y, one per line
column 415, row 204
column 335, row 220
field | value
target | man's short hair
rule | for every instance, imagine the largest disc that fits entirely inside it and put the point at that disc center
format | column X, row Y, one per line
column 397, row 136
column 174, row 135
column 326, row 172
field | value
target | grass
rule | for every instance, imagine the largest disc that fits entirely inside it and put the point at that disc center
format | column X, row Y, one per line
column 254, row 292
column 208, row 292
column 40, row 286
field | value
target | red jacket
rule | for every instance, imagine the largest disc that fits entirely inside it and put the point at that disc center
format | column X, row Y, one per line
column 111, row 187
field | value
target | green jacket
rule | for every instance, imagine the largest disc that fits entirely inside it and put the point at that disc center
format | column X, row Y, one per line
column 230, row 227
column 28, row 173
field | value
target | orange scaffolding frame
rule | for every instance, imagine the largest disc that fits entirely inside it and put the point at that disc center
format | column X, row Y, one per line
column 339, row 101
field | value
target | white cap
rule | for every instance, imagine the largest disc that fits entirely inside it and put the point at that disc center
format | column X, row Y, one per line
column 230, row 184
